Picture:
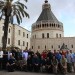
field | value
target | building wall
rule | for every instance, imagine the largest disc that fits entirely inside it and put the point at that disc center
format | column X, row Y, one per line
column 13, row 36
column 20, row 37
column 1, row 32
column 52, row 43
column 52, row 33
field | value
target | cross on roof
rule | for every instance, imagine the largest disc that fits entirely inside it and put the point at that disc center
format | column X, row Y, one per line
column 46, row 1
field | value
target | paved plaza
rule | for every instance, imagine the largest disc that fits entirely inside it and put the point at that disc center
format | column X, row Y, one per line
column 27, row 73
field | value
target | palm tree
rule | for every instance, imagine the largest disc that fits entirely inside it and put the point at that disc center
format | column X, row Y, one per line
column 8, row 10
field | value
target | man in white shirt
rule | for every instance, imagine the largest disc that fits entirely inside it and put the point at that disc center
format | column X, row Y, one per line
column 69, row 61
column 1, row 58
column 25, row 55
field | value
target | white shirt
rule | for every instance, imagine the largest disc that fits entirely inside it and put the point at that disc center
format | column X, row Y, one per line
column 25, row 55
column 9, row 54
column 1, row 54
column 69, row 58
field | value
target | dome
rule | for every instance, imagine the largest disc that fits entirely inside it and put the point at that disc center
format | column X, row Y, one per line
column 47, row 14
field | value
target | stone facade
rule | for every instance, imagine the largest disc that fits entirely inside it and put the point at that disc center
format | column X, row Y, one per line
column 48, row 33
column 52, row 43
column 17, row 36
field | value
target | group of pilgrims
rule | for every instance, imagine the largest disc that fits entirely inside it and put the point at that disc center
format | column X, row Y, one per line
column 49, row 61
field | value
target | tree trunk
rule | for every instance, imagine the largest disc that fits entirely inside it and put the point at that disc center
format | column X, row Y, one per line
column 6, row 24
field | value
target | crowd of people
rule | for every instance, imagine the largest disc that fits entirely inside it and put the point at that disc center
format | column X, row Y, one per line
column 48, row 61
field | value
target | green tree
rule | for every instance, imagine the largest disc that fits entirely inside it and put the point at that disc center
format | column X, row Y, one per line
column 8, row 10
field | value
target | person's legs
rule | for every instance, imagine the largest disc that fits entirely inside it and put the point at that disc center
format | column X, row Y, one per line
column 55, row 69
column 24, row 68
column 29, row 68
column 43, row 68
column 0, row 63
column 74, row 67
column 8, row 68
column 69, row 68
column 36, row 68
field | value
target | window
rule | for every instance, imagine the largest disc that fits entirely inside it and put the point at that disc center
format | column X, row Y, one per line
column 42, row 25
column 47, row 24
column 56, row 35
column 72, row 46
column 38, row 47
column 60, row 35
column 23, row 43
column 9, row 30
column 27, row 44
column 19, row 42
column 58, row 26
column 32, row 47
column 27, row 35
column 23, row 34
column 8, row 40
column 50, row 25
column 45, row 47
column 19, row 32
column 38, row 26
column 58, row 46
column 52, row 46
column 42, row 35
column 35, row 36
column 54, row 25
column 3, row 28
column 47, row 35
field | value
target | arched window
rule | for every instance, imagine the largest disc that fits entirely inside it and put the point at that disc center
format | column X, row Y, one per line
column 19, row 32
column 54, row 25
column 42, row 25
column 52, row 46
column 43, row 35
column 71, row 46
column 8, row 40
column 47, row 35
column 9, row 30
column 45, row 47
column 50, row 25
column 60, row 35
column 38, row 47
column 56, row 35
column 58, row 46
column 32, row 47
column 35, row 36
column 38, row 26
column 47, row 24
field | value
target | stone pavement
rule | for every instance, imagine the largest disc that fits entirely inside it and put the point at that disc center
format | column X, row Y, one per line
column 27, row 73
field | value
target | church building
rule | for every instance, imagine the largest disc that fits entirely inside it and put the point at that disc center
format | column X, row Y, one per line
column 48, row 32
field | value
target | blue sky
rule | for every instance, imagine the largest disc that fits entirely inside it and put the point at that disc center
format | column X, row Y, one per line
column 64, row 10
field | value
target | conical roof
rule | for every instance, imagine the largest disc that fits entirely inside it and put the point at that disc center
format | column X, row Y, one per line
column 47, row 14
